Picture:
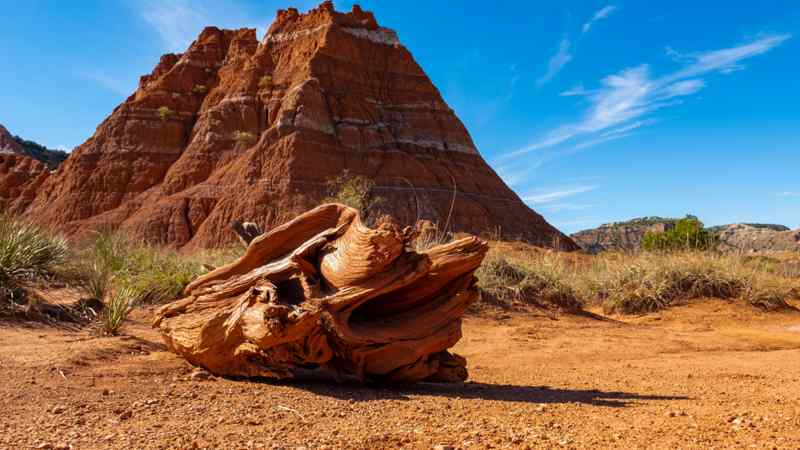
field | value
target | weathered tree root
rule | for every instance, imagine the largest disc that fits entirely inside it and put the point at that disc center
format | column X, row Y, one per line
column 325, row 294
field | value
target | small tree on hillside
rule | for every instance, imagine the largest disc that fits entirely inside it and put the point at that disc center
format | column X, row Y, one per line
column 687, row 234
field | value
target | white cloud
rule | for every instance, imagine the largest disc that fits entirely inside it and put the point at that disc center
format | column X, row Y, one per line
column 600, row 140
column 557, row 62
column 628, row 96
column 575, row 91
column 630, row 127
column 599, row 15
column 551, row 196
column 115, row 85
column 789, row 194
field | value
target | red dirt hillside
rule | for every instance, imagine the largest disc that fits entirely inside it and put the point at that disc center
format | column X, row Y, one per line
column 237, row 128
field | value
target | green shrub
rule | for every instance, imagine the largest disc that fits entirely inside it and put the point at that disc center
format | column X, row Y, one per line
column 165, row 113
column 243, row 136
column 355, row 191
column 265, row 82
column 687, row 234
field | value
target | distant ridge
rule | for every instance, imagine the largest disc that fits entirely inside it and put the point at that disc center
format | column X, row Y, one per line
column 626, row 236
column 14, row 144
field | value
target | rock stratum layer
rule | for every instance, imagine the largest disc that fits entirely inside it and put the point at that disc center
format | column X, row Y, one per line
column 325, row 295
column 235, row 128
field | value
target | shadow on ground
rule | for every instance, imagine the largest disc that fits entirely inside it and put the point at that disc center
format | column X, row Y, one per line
column 478, row 391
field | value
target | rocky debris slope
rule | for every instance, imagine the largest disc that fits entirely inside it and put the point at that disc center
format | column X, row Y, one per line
column 235, row 128
column 621, row 236
column 757, row 238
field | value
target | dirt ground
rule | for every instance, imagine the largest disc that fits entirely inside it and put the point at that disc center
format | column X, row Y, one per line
column 708, row 375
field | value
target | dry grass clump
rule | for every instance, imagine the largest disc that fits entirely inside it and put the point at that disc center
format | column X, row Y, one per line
column 633, row 284
column 649, row 282
column 543, row 282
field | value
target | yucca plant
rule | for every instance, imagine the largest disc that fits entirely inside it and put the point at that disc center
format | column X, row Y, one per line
column 28, row 251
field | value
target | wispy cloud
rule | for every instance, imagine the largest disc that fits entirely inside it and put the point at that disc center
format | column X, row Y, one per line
column 598, row 16
column 557, row 62
column 559, row 207
column 569, row 226
column 540, row 197
column 115, row 85
column 177, row 22
column 788, row 194
column 628, row 96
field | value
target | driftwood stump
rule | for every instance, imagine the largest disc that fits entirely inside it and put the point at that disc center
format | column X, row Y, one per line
column 324, row 294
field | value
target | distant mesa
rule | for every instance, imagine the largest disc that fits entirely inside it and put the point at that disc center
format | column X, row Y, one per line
column 621, row 236
column 235, row 128
column 744, row 237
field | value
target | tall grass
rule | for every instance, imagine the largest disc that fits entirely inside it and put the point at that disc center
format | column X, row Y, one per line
column 543, row 282
column 632, row 284
column 116, row 310
column 109, row 261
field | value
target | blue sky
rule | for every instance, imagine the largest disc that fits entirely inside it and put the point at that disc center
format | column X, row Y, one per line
column 592, row 111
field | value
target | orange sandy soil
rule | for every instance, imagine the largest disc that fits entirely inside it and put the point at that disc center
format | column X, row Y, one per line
column 707, row 375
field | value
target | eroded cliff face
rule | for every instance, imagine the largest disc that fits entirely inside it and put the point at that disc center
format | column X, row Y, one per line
column 237, row 128
column 746, row 238
column 619, row 237
column 20, row 175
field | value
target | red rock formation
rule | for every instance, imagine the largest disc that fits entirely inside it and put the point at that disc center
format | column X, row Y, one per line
column 20, row 176
column 237, row 128
column 8, row 144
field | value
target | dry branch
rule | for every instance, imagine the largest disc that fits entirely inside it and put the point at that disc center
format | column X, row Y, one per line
column 325, row 294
